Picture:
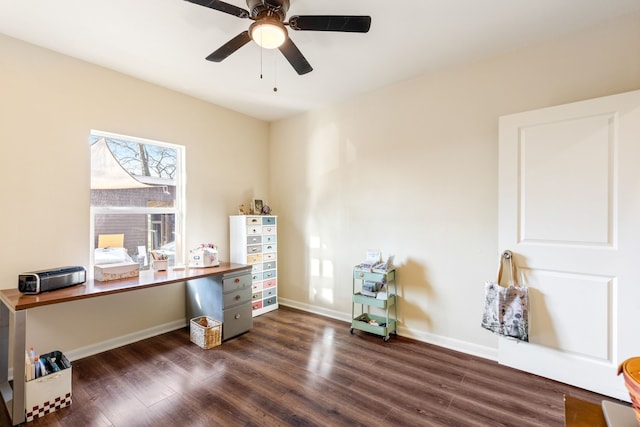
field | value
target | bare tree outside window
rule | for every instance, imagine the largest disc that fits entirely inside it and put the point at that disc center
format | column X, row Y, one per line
column 140, row 159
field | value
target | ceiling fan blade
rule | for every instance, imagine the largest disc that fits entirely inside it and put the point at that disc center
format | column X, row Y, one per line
column 295, row 57
column 344, row 23
column 223, row 7
column 229, row 47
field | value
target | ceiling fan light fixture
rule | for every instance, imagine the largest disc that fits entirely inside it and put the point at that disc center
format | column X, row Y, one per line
column 268, row 33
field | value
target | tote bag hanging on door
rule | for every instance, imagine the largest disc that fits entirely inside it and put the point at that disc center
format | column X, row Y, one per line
column 506, row 309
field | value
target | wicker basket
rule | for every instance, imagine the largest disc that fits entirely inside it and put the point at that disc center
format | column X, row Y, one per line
column 206, row 332
column 630, row 369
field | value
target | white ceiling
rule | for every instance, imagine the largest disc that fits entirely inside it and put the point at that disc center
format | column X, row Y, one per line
column 165, row 42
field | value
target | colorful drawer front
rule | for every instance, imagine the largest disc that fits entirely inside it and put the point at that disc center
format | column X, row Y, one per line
column 254, row 220
column 253, row 258
column 254, row 249
column 254, row 239
column 269, row 220
column 254, row 229
column 269, row 283
column 269, row 265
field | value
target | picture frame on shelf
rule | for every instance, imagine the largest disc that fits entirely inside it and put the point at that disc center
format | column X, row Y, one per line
column 257, row 206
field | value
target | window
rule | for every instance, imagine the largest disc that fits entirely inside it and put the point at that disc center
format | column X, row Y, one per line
column 136, row 199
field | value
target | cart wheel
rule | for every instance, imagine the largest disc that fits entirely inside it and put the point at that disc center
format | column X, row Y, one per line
column 351, row 331
column 386, row 338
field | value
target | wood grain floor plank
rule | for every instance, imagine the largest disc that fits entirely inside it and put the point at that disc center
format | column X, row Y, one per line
column 300, row 369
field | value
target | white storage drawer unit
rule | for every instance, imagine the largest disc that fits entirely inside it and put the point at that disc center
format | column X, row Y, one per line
column 253, row 240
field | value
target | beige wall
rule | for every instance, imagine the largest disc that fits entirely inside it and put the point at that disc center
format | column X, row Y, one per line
column 48, row 105
column 411, row 169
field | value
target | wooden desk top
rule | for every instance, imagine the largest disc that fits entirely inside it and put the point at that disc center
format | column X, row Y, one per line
column 15, row 300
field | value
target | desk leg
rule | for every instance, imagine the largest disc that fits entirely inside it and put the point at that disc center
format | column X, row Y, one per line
column 13, row 398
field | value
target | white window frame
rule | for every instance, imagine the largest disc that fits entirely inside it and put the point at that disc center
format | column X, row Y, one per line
column 178, row 210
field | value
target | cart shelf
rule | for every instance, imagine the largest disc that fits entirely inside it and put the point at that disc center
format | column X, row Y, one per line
column 380, row 323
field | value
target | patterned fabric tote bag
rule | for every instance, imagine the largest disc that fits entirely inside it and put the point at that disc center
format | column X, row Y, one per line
column 506, row 309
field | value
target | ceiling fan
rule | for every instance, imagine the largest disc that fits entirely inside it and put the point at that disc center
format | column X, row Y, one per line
column 268, row 29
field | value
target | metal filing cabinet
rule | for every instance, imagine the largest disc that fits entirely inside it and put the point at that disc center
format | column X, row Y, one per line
column 225, row 297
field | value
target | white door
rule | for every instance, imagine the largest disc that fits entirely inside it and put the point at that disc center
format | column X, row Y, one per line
column 569, row 209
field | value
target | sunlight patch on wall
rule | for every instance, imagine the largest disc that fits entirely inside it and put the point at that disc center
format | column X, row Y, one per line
column 327, row 268
column 314, row 267
column 321, row 273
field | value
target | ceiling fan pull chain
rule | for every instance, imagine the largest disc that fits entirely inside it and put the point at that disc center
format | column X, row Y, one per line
column 275, row 74
column 261, row 53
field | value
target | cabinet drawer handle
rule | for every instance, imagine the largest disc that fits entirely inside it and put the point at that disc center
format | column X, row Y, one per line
column 237, row 280
column 361, row 274
column 237, row 316
column 237, row 297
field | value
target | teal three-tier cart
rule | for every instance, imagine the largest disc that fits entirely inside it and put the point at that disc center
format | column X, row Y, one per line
column 375, row 294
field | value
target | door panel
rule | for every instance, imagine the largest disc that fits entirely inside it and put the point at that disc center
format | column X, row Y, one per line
column 569, row 209
column 558, row 188
column 586, row 331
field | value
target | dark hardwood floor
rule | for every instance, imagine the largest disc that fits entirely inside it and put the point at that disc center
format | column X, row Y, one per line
column 300, row 369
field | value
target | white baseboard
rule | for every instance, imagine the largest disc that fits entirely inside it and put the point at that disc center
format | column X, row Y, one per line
column 96, row 348
column 441, row 341
column 315, row 309
column 450, row 343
